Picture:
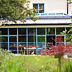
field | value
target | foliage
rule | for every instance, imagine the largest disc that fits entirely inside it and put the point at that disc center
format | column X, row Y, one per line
column 11, row 63
column 8, row 64
column 60, row 49
column 3, row 55
column 68, row 66
column 68, row 36
column 13, row 10
column 69, row 2
column 44, row 64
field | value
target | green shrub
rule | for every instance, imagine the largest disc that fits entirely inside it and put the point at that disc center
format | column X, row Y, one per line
column 9, row 64
column 68, row 66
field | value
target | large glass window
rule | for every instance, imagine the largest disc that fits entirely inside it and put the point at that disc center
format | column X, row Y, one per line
column 31, row 48
column 22, row 38
column 12, row 39
column 50, row 30
column 3, row 39
column 39, row 8
column 3, row 31
column 22, row 31
column 32, row 31
column 58, row 30
column 41, row 31
column 13, row 47
column 50, row 40
column 4, row 46
column 13, row 31
column 22, row 48
column 60, row 38
column 41, row 38
column 40, row 46
column 31, row 38
column 22, row 45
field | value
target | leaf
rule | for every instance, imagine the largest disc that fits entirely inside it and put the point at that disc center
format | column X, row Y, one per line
column 62, row 33
column 15, row 21
column 70, row 24
column 71, row 40
column 14, row 9
column 70, row 29
column 68, row 42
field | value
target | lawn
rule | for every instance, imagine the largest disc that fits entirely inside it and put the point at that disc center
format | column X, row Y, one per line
column 12, row 63
column 38, row 63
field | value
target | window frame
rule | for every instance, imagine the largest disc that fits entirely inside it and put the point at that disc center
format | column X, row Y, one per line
column 38, row 7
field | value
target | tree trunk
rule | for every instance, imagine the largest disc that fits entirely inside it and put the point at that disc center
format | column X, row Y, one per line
column 59, row 63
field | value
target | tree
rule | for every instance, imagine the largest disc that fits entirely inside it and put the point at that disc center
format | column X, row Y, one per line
column 70, row 2
column 13, row 10
column 60, row 49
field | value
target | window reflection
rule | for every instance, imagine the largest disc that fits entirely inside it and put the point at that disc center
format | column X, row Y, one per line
column 58, row 30
column 41, row 31
column 39, row 47
column 50, row 30
column 22, row 38
column 3, row 31
column 13, row 31
column 31, row 38
column 41, row 6
column 22, row 48
column 41, row 38
column 3, row 39
column 4, row 46
column 22, row 31
column 12, row 39
column 41, row 11
column 35, row 6
column 32, row 48
column 60, row 38
column 32, row 31
column 13, row 47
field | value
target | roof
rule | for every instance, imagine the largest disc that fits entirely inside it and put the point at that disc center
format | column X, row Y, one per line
column 47, row 18
column 48, row 21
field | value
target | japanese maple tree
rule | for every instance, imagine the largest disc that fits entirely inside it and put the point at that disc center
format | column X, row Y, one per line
column 59, row 49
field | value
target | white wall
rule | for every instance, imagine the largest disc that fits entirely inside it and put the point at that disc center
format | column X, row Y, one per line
column 70, row 9
column 52, row 6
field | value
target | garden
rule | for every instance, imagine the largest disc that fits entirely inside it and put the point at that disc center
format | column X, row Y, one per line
column 11, row 63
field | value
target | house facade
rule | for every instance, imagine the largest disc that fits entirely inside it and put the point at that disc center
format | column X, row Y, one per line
column 54, row 16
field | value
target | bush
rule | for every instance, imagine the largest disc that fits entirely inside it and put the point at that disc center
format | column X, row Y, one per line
column 8, row 63
column 68, row 66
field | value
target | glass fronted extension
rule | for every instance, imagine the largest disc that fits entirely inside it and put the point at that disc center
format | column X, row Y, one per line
column 29, row 39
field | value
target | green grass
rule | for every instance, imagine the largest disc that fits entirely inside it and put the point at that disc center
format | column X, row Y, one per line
column 11, row 63
column 30, row 63
column 22, row 63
